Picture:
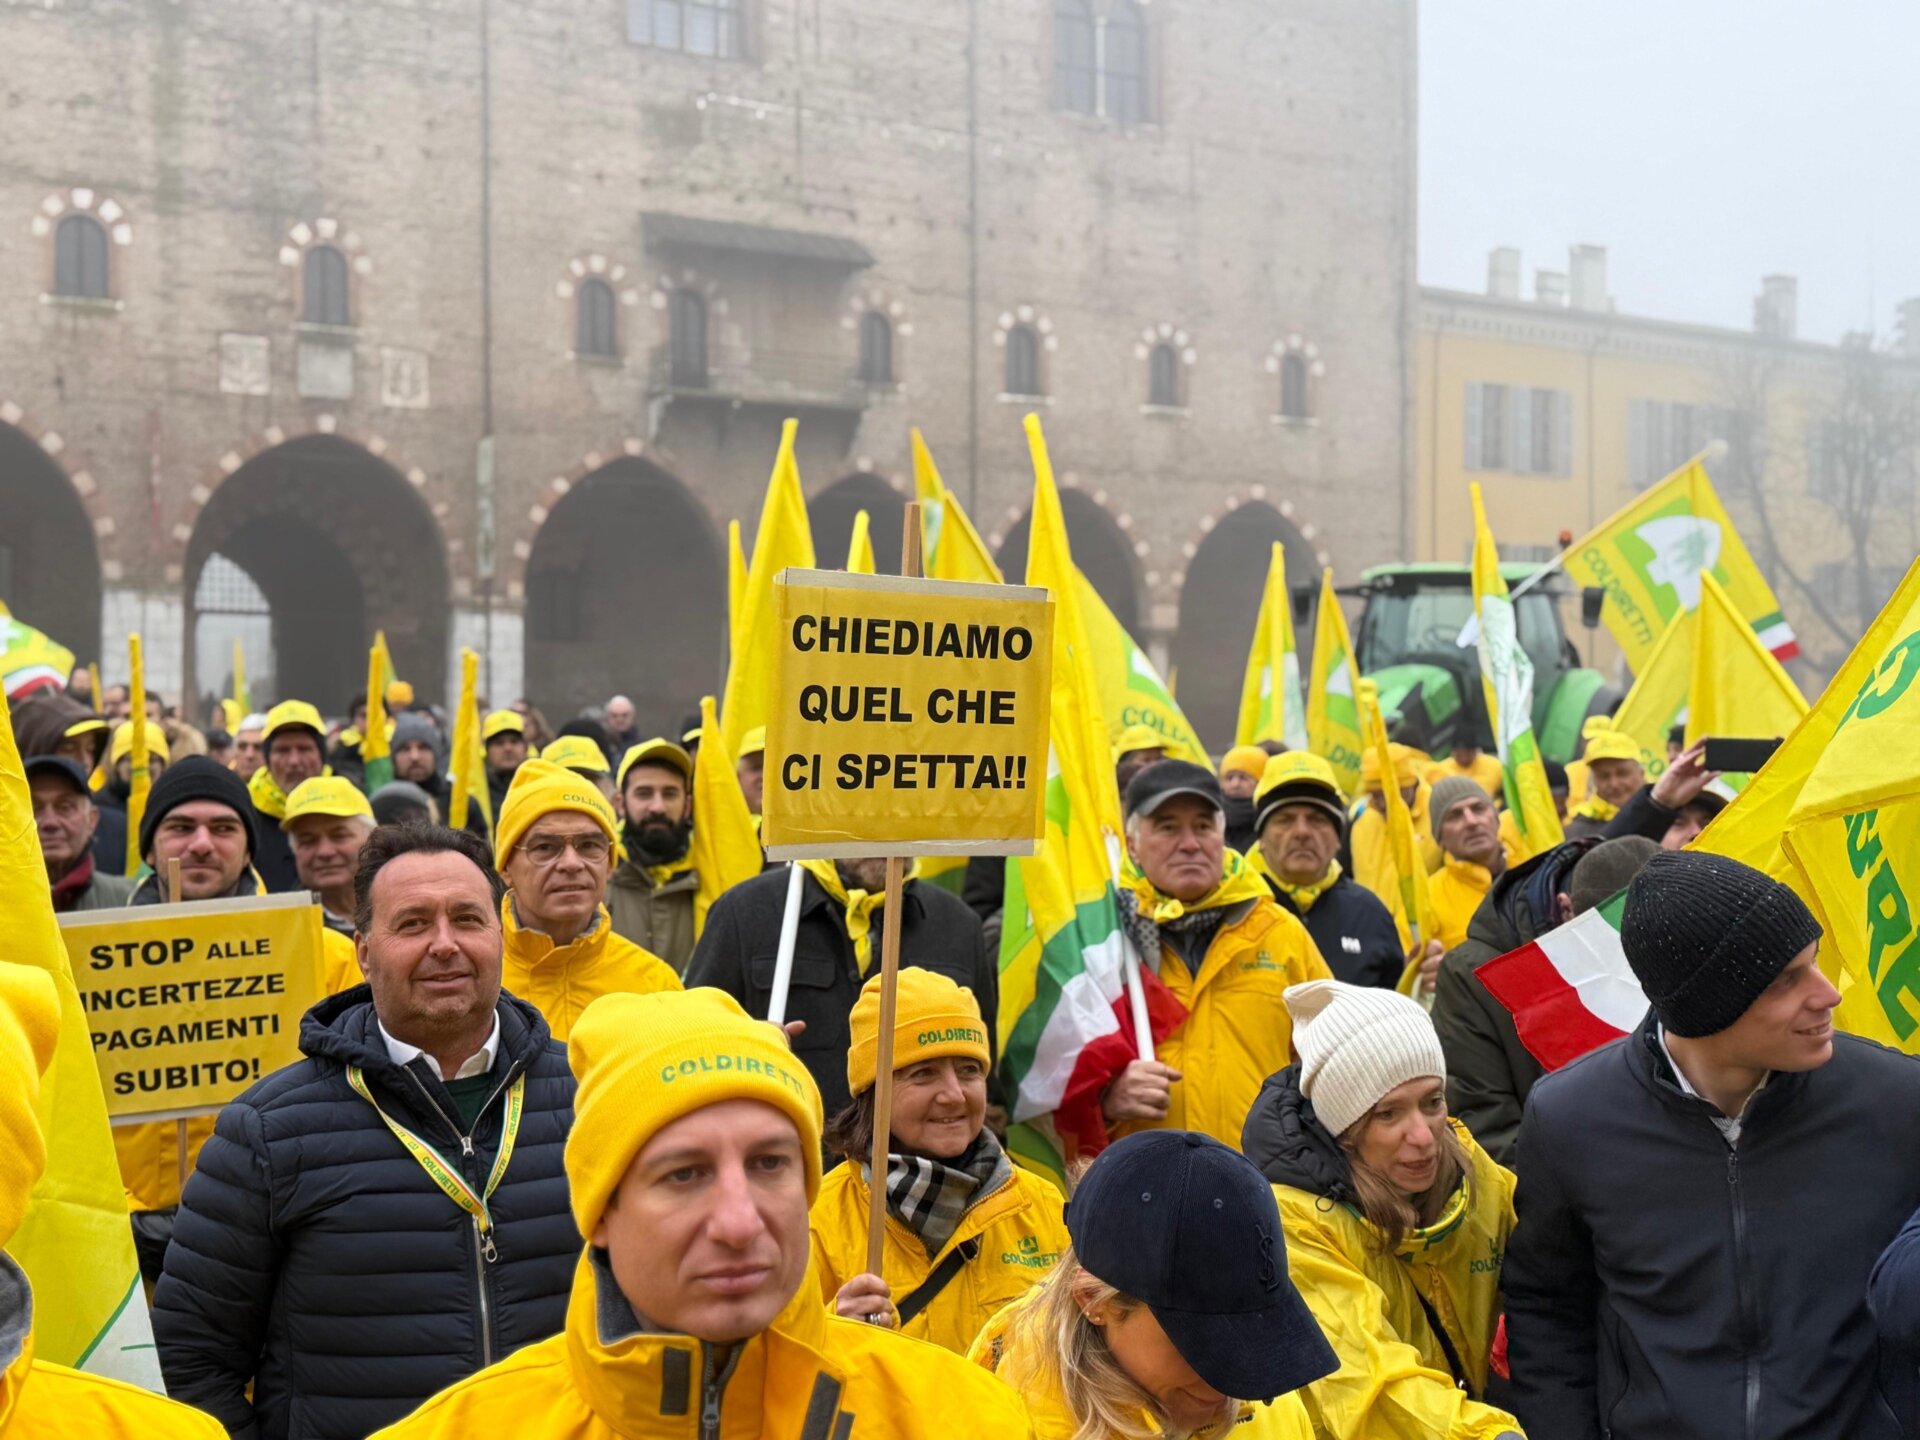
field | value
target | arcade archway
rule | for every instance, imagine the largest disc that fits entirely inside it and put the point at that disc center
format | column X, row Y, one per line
column 49, row 564
column 1100, row 548
column 830, row 515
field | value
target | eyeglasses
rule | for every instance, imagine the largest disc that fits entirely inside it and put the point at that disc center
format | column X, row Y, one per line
column 546, row 850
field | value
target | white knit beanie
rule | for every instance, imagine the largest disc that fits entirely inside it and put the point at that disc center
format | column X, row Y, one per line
column 1356, row 1043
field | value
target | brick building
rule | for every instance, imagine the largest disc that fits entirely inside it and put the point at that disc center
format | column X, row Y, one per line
column 477, row 321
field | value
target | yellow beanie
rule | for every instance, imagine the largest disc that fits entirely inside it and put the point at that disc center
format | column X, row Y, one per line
column 325, row 795
column 29, row 1025
column 644, row 1061
column 1245, row 760
column 541, row 788
column 122, row 745
column 399, row 695
column 932, row 1017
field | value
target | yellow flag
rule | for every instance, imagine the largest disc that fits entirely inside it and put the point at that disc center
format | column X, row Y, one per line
column 1414, row 913
column 1658, row 700
column 1131, row 691
column 860, row 546
column 241, row 700
column 1649, row 558
column 784, row 539
column 725, row 848
column 953, row 548
column 1506, row 675
column 469, row 766
column 736, row 580
column 142, row 779
column 375, row 751
column 1333, row 715
column 88, row 1308
column 1737, row 689
column 1271, row 705
column 93, row 679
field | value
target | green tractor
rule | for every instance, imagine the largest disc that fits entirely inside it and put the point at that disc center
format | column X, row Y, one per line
column 1430, row 691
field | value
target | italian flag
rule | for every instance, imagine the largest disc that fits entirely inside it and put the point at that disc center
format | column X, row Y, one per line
column 1571, row 990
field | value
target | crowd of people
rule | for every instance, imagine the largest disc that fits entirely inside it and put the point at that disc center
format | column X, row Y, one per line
column 543, row 1167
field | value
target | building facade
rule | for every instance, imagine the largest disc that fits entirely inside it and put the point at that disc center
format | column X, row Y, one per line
column 477, row 322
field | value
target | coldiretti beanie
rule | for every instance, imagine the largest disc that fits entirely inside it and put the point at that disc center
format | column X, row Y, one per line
column 1357, row 1042
column 540, row 788
column 1705, row 935
column 1450, row 792
column 643, row 1061
column 29, row 1026
column 195, row 778
column 932, row 1017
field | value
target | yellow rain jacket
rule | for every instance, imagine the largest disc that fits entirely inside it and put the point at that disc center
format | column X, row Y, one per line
column 1373, row 860
column 562, row 980
column 603, row 1379
column 999, row 1346
column 1237, row 1031
column 1486, row 772
column 1394, row 1378
column 1455, row 893
column 1019, row 1228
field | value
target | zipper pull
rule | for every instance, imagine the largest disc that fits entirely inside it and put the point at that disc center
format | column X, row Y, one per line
column 710, row 1412
column 487, row 1247
column 466, row 1144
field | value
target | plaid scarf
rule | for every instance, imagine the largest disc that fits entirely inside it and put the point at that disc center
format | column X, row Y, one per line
column 931, row 1198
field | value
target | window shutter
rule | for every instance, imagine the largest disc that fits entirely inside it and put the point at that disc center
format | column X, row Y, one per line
column 1637, row 444
column 1522, row 429
column 1562, row 433
column 1473, row 424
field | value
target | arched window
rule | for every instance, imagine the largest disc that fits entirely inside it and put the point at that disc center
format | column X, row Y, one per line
column 1293, row 387
column 688, row 344
column 876, row 348
column 1163, row 375
column 323, row 287
column 595, row 331
column 80, row 258
column 1123, row 55
column 1023, row 361
column 1076, row 67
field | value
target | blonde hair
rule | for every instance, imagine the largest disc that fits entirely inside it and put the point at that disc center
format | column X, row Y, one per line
column 1381, row 1203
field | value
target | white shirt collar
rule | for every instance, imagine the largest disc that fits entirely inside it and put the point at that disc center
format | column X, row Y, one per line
column 478, row 1063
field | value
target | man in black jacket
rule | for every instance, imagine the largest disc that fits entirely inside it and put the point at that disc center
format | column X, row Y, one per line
column 326, row 1276
column 841, row 922
column 1701, row 1203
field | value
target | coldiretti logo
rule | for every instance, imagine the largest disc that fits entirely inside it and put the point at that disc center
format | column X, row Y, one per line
column 730, row 1064
column 943, row 1037
column 1490, row 1265
column 1030, row 1256
column 1261, row 961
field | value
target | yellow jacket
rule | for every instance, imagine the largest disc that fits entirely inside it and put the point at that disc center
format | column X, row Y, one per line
column 869, row 1383
column 1373, row 861
column 998, row 1347
column 1237, row 1031
column 1021, row 1233
column 1455, row 893
column 562, row 980
column 1394, row 1382
column 1486, row 772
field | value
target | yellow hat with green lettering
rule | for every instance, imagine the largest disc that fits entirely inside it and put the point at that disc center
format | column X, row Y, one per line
column 503, row 722
column 933, row 1016
column 290, row 713
column 333, row 795
column 541, row 788
column 1611, row 745
column 576, row 752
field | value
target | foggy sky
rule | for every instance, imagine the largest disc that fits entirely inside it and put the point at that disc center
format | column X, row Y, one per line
column 1705, row 143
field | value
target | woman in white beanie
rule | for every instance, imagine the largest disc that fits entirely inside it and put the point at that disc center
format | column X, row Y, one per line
column 1396, row 1221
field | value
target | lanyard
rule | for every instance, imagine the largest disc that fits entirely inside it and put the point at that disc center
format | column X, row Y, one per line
column 448, row 1177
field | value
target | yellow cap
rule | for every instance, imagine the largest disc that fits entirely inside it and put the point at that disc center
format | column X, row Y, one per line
column 122, row 745
column 1298, row 777
column 1594, row 724
column 1138, row 737
column 542, row 788
column 503, row 722
column 83, row 727
column 1406, row 766
column 934, row 1017
column 1245, row 760
column 753, row 741
column 663, row 751
column 692, row 737
column 576, row 752
column 1611, row 745
column 644, row 1061
column 29, row 1026
column 399, row 695
column 293, row 712
column 325, row 795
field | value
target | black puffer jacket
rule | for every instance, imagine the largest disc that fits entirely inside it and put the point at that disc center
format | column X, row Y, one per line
column 1287, row 1141
column 314, row 1260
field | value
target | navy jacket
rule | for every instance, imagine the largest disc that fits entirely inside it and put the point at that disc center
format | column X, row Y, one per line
column 314, row 1259
column 1354, row 932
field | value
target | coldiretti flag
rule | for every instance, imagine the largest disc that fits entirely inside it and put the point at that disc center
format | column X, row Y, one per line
column 74, row 1244
column 29, row 660
column 736, row 581
column 1736, row 689
column 1414, row 913
column 242, row 701
column 1506, row 674
column 469, row 763
column 1658, row 700
column 1271, row 705
column 725, row 848
column 1333, row 715
column 783, row 539
column 376, row 755
column 953, row 549
column 1649, row 558
column 860, row 545
column 1131, row 690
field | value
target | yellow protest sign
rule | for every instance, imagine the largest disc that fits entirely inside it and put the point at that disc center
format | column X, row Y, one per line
column 909, row 717
column 190, row 1004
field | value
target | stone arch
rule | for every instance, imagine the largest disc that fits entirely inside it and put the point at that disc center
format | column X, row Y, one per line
column 830, row 516
column 1103, row 547
column 1220, row 595
column 339, row 542
column 625, row 583
column 54, row 537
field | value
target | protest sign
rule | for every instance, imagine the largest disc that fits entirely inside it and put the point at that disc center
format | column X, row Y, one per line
column 190, row 1004
column 909, row 717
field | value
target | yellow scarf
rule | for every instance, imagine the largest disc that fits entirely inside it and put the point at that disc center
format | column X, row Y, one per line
column 1594, row 808
column 1239, row 882
column 860, row 906
column 1302, row 896
column 661, row 874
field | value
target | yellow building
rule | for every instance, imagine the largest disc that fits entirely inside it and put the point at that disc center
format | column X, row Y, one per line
column 1563, row 410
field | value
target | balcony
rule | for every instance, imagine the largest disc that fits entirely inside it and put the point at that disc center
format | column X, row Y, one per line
column 778, row 379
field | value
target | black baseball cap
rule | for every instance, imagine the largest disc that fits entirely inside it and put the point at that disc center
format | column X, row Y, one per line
column 1164, row 779
column 1189, row 1228
column 66, row 768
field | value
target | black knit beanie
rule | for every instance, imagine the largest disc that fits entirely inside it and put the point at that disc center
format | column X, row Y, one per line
column 195, row 777
column 1705, row 935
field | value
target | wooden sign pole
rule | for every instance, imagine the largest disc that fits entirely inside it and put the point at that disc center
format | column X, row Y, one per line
column 180, row 1126
column 910, row 565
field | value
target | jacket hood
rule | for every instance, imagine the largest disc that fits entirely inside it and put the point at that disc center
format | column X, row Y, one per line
column 41, row 723
column 344, row 1029
column 1287, row 1141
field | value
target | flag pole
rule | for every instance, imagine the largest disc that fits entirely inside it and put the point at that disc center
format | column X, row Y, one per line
column 783, row 957
column 889, row 984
